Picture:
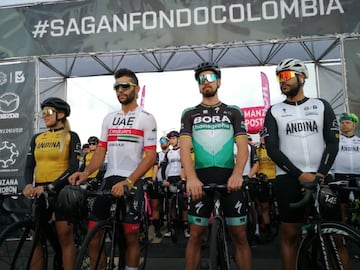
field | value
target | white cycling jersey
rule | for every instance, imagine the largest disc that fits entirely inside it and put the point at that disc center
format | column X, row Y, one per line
column 174, row 166
column 301, row 136
column 126, row 137
column 348, row 158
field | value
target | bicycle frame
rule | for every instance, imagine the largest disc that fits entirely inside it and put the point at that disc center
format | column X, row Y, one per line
column 36, row 230
column 219, row 253
column 327, row 244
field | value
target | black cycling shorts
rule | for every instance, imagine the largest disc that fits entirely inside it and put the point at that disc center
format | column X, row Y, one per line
column 101, row 207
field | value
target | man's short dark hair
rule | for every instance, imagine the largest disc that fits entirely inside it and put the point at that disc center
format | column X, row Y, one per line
column 128, row 73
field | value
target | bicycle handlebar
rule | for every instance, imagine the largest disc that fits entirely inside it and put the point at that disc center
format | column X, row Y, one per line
column 214, row 186
column 336, row 185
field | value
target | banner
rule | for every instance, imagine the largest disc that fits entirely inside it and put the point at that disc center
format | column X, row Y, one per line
column 109, row 25
column 254, row 118
column 142, row 102
column 17, row 99
column 265, row 90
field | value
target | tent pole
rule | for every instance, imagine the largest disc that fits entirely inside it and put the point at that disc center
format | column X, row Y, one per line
column 343, row 64
column 37, row 95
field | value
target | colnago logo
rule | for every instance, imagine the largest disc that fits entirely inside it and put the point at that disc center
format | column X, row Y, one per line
column 302, row 127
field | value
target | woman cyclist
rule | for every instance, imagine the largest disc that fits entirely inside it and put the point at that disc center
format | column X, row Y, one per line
column 53, row 156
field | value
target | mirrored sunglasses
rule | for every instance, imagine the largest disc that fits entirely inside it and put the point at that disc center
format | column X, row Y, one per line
column 208, row 77
column 123, row 85
column 285, row 75
column 47, row 112
column 163, row 141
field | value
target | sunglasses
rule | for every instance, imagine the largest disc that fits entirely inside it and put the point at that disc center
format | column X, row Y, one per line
column 163, row 141
column 92, row 143
column 208, row 77
column 285, row 75
column 47, row 112
column 123, row 85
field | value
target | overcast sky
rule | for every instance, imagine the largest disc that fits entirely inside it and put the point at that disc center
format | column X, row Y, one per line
column 167, row 95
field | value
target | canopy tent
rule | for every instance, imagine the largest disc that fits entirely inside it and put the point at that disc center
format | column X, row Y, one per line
column 89, row 38
column 65, row 39
column 56, row 40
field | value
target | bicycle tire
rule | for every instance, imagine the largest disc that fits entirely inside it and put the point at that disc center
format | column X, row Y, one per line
column 144, row 241
column 219, row 255
column 251, row 224
column 310, row 257
column 274, row 219
column 106, row 246
column 172, row 221
column 17, row 246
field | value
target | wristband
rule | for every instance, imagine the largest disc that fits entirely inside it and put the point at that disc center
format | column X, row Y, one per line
column 131, row 184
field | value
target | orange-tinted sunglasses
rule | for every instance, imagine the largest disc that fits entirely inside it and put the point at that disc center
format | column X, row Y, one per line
column 285, row 75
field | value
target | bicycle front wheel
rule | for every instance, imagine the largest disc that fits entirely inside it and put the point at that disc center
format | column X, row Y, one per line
column 101, row 249
column 17, row 246
column 144, row 241
column 219, row 255
column 340, row 249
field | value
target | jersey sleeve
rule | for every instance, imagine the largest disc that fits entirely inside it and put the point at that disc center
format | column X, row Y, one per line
column 150, row 132
column 30, row 163
column 186, row 123
column 331, row 137
column 273, row 148
column 239, row 123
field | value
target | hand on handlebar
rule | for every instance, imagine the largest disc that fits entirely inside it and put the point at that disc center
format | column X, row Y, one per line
column 310, row 180
column 234, row 183
column 194, row 188
column 77, row 178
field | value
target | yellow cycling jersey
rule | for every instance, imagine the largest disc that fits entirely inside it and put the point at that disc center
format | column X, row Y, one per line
column 87, row 158
column 266, row 165
column 47, row 161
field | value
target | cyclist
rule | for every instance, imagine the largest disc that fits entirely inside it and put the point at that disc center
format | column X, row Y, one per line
column 173, row 173
column 301, row 137
column 156, row 194
column 95, row 178
column 210, row 128
column 267, row 170
column 346, row 165
column 52, row 157
column 128, row 139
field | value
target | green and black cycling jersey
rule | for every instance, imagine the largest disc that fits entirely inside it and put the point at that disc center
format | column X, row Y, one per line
column 213, row 130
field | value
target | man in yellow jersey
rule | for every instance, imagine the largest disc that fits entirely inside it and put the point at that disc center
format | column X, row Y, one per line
column 267, row 172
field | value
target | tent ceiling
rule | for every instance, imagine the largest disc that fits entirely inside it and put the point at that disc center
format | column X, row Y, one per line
column 236, row 54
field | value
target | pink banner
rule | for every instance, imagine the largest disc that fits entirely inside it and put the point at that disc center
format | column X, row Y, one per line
column 142, row 101
column 265, row 90
column 254, row 118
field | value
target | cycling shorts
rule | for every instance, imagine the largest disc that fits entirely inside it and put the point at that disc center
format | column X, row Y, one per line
column 155, row 191
column 234, row 206
column 289, row 190
column 45, row 209
column 101, row 207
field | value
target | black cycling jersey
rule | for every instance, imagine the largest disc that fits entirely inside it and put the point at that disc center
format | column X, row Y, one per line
column 302, row 136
